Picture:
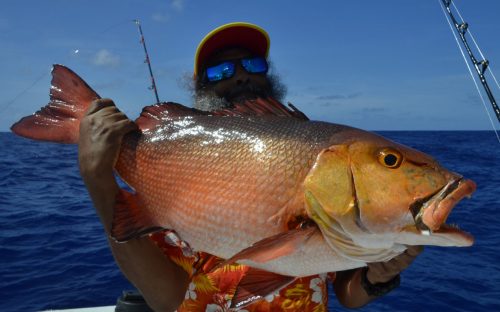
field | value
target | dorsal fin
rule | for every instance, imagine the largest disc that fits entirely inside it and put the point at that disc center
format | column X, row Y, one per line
column 156, row 114
column 261, row 107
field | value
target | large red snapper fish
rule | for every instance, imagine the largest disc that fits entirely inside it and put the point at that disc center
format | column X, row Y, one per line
column 262, row 185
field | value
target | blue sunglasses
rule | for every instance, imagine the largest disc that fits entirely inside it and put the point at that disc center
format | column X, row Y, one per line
column 225, row 70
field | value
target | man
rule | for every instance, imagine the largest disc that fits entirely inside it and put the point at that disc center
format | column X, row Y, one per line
column 230, row 66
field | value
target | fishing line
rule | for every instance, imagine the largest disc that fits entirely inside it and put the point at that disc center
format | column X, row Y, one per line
column 7, row 104
column 477, row 46
column 470, row 71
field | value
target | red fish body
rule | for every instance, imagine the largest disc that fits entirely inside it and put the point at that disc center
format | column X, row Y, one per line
column 284, row 194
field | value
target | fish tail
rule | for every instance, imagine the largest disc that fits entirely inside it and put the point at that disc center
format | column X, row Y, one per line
column 59, row 120
column 130, row 220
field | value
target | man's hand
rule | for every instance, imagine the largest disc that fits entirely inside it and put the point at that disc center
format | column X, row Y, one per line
column 101, row 132
column 381, row 272
column 348, row 284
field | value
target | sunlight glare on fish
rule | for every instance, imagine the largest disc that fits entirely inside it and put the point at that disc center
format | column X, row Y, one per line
column 55, row 88
column 196, row 130
column 259, row 146
column 183, row 122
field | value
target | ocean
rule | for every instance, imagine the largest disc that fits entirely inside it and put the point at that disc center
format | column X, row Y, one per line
column 53, row 252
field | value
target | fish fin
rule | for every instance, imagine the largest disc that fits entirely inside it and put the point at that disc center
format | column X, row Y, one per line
column 129, row 219
column 59, row 120
column 273, row 247
column 173, row 239
column 257, row 284
column 446, row 236
column 154, row 115
column 262, row 107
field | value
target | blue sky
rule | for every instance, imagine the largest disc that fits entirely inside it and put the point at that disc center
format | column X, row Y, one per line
column 376, row 65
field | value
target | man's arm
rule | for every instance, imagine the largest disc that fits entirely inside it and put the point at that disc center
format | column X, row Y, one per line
column 348, row 284
column 162, row 283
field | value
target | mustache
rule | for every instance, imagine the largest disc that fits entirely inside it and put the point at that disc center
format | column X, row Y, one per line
column 245, row 89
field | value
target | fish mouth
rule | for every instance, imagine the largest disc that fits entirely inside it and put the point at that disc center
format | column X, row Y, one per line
column 430, row 213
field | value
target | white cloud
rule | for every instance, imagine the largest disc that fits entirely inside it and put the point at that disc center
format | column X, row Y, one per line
column 160, row 17
column 105, row 58
column 178, row 5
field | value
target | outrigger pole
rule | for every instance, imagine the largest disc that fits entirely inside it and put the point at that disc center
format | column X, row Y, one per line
column 143, row 42
column 480, row 66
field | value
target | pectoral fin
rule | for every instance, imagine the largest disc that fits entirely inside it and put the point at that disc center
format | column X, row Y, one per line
column 273, row 247
column 257, row 284
column 129, row 219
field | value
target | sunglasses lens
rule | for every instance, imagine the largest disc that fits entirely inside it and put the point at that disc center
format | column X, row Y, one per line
column 219, row 72
column 256, row 65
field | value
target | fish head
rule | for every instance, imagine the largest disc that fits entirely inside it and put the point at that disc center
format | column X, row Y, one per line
column 371, row 197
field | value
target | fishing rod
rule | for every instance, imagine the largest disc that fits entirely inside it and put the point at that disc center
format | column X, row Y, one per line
column 480, row 66
column 143, row 42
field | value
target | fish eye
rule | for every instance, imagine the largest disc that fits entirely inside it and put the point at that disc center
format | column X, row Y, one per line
column 390, row 158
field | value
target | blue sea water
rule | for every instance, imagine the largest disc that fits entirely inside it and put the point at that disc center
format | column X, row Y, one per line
column 53, row 252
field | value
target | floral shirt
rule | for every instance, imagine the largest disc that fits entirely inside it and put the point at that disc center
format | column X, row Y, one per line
column 213, row 291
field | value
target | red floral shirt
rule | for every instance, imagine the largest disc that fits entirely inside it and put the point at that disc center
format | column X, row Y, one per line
column 213, row 291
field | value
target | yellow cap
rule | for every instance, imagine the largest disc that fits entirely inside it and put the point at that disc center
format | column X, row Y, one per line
column 239, row 34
